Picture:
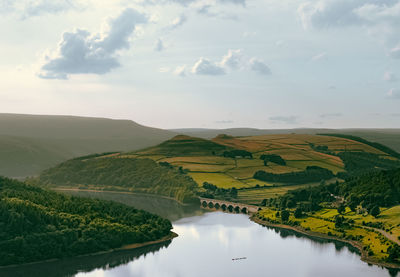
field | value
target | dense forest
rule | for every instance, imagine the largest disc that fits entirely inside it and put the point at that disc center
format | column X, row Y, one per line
column 310, row 174
column 272, row 158
column 36, row 224
column 136, row 175
column 374, row 189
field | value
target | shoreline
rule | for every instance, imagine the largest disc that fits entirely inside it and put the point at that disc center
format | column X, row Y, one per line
column 127, row 247
column 355, row 244
column 118, row 192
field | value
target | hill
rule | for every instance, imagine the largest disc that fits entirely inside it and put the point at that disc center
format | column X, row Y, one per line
column 388, row 137
column 110, row 172
column 32, row 143
column 257, row 167
column 37, row 224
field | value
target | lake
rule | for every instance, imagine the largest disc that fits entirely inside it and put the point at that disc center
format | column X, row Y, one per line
column 206, row 246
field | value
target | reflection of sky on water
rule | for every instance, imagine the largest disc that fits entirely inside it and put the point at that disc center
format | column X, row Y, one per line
column 207, row 244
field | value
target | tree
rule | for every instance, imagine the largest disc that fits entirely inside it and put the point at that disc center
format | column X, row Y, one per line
column 375, row 211
column 298, row 213
column 341, row 209
column 339, row 220
column 285, row 215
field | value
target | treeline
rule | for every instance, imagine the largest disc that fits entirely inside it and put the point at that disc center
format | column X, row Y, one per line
column 137, row 175
column 237, row 153
column 371, row 190
column 311, row 174
column 376, row 145
column 358, row 163
column 212, row 191
column 272, row 158
column 36, row 224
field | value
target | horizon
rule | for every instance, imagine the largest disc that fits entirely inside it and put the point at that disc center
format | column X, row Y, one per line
column 202, row 128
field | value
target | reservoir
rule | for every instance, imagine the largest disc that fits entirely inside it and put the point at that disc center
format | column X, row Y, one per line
column 212, row 244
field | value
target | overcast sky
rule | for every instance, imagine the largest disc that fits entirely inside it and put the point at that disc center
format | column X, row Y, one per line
column 204, row 63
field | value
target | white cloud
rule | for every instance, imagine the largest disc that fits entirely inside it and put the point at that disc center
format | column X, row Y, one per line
column 233, row 59
column 393, row 93
column 284, row 119
column 159, row 46
column 395, row 52
column 325, row 115
column 177, row 22
column 30, row 8
column 180, row 71
column 81, row 52
column 389, row 76
column 259, row 67
column 319, row 56
column 205, row 67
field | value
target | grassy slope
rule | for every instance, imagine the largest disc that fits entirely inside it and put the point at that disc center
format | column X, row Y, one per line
column 37, row 224
column 195, row 155
column 125, row 174
column 31, row 143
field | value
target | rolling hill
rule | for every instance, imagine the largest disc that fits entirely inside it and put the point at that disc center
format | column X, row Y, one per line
column 32, row 143
column 257, row 167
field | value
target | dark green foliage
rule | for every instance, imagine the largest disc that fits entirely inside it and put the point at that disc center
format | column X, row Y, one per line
column 376, row 145
column 138, row 175
column 380, row 188
column 285, row 215
column 341, row 208
column 311, row 174
column 375, row 211
column 298, row 212
column 37, row 224
column 339, row 221
column 394, row 253
column 272, row 158
column 213, row 191
column 358, row 163
column 237, row 153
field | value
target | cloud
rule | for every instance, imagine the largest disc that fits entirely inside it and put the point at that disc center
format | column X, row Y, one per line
column 81, row 52
column 224, row 121
column 189, row 2
column 259, row 67
column 159, row 46
column 233, row 59
column 205, row 67
column 331, row 87
column 177, row 22
column 27, row 8
column 393, row 93
column 389, row 76
column 284, row 119
column 326, row 115
column 180, row 71
column 318, row 57
column 395, row 52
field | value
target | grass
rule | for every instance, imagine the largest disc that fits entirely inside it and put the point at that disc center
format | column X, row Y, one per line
column 322, row 222
column 221, row 180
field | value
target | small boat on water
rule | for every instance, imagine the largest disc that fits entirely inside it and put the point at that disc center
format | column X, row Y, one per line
column 236, row 259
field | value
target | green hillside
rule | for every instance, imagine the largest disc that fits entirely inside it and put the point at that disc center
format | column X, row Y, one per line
column 32, row 143
column 37, row 224
column 125, row 174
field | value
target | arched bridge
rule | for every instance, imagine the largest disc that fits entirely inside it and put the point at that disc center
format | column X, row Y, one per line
column 227, row 206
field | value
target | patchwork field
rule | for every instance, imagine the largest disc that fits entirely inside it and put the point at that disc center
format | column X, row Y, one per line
column 204, row 160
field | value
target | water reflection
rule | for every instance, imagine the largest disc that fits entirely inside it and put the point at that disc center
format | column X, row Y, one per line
column 73, row 266
column 206, row 245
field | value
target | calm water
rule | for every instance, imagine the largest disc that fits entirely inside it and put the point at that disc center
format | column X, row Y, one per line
column 205, row 247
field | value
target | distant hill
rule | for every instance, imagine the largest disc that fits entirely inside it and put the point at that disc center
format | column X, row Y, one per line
column 32, row 143
column 388, row 137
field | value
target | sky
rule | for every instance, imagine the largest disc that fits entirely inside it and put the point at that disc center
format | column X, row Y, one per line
column 204, row 63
